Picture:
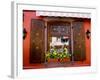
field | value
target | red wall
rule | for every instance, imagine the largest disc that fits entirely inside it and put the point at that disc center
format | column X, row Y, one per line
column 28, row 15
column 87, row 26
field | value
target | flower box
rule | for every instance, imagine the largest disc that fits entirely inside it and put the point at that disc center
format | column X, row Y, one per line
column 64, row 60
column 52, row 60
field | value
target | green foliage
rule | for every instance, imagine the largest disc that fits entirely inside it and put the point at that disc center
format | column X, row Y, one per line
column 63, row 55
column 55, row 55
column 51, row 55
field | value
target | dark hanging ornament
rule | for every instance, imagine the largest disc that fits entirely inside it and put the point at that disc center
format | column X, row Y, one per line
column 24, row 33
column 88, row 34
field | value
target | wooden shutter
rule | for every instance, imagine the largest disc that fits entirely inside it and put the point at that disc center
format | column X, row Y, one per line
column 79, row 41
column 37, row 41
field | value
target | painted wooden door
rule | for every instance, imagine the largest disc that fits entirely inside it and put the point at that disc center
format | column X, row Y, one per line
column 79, row 41
column 37, row 41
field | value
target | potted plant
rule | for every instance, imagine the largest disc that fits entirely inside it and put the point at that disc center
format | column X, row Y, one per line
column 55, row 56
column 52, row 57
column 64, row 56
